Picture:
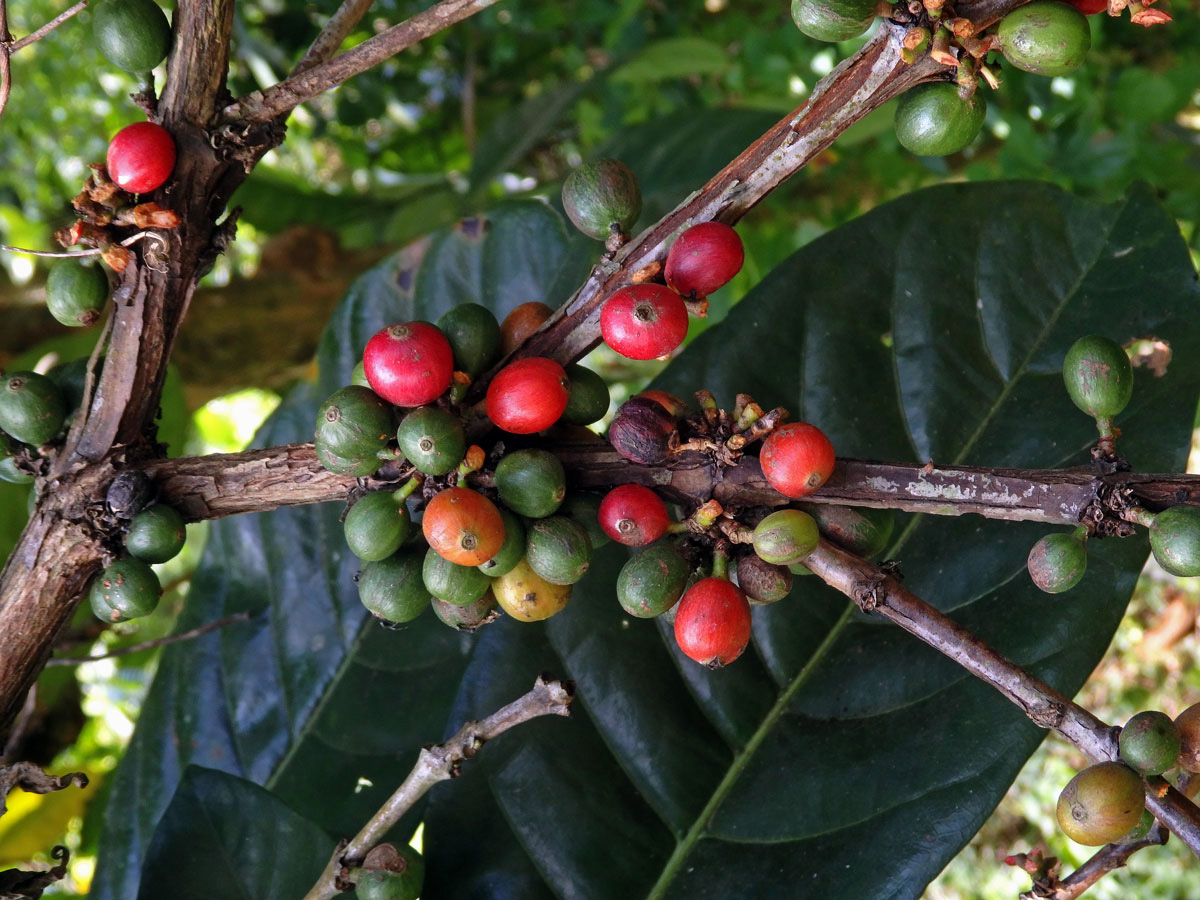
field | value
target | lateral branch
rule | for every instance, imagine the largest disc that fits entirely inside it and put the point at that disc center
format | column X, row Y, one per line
column 875, row 591
column 211, row 487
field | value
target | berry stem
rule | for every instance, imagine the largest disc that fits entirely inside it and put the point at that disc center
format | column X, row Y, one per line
column 707, row 515
column 1080, row 534
column 472, row 461
column 402, row 493
column 720, row 567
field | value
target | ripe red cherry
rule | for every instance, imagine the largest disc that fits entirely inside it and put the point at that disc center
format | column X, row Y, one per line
column 796, row 459
column 712, row 622
column 141, row 157
column 644, row 321
column 704, row 258
column 633, row 515
column 409, row 364
column 528, row 395
column 1090, row 7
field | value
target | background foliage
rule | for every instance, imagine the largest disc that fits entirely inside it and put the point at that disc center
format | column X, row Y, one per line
column 501, row 107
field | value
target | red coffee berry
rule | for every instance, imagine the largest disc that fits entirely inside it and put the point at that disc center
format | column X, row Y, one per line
column 409, row 364
column 1090, row 7
column 528, row 395
column 633, row 515
column 141, row 157
column 712, row 622
column 644, row 321
column 704, row 258
column 796, row 459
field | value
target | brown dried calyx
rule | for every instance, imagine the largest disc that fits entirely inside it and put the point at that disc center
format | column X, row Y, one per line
column 642, row 431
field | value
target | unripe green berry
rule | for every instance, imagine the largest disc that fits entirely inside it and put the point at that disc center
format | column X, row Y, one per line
column 1058, row 562
column 156, row 534
column 1175, row 540
column 1150, row 743
column 1098, row 376
column 786, row 537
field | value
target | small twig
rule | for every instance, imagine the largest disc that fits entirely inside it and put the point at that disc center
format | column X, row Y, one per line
column 31, row 778
column 439, row 763
column 146, row 645
column 36, row 36
column 282, row 98
column 339, row 26
column 5, row 56
column 93, row 251
column 875, row 590
column 1108, row 859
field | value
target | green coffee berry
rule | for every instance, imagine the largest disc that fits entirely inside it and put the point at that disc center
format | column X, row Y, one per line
column 558, row 549
column 1175, row 540
column 460, row 585
column 785, row 537
column 935, row 120
column 125, row 590
column 1058, row 562
column 432, row 439
column 156, row 534
column 377, row 525
column 652, row 582
column 1098, row 374
column 1150, row 743
column 32, row 409
column 393, row 589
column 531, row 482
column 76, row 294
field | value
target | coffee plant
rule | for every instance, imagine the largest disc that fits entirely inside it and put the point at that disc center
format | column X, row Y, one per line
column 790, row 592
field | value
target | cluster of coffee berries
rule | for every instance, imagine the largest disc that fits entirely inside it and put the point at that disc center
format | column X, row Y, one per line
column 134, row 35
column 1105, row 803
column 1045, row 37
column 712, row 615
column 495, row 530
column 1099, row 379
column 151, row 533
column 647, row 319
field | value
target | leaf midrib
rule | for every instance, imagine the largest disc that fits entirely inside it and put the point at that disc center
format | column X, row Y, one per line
column 684, row 846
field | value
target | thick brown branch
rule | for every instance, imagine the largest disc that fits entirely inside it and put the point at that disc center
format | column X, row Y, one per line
column 209, row 487
column 876, row 591
column 280, row 99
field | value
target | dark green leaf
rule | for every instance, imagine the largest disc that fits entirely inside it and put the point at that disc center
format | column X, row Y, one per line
column 223, row 836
